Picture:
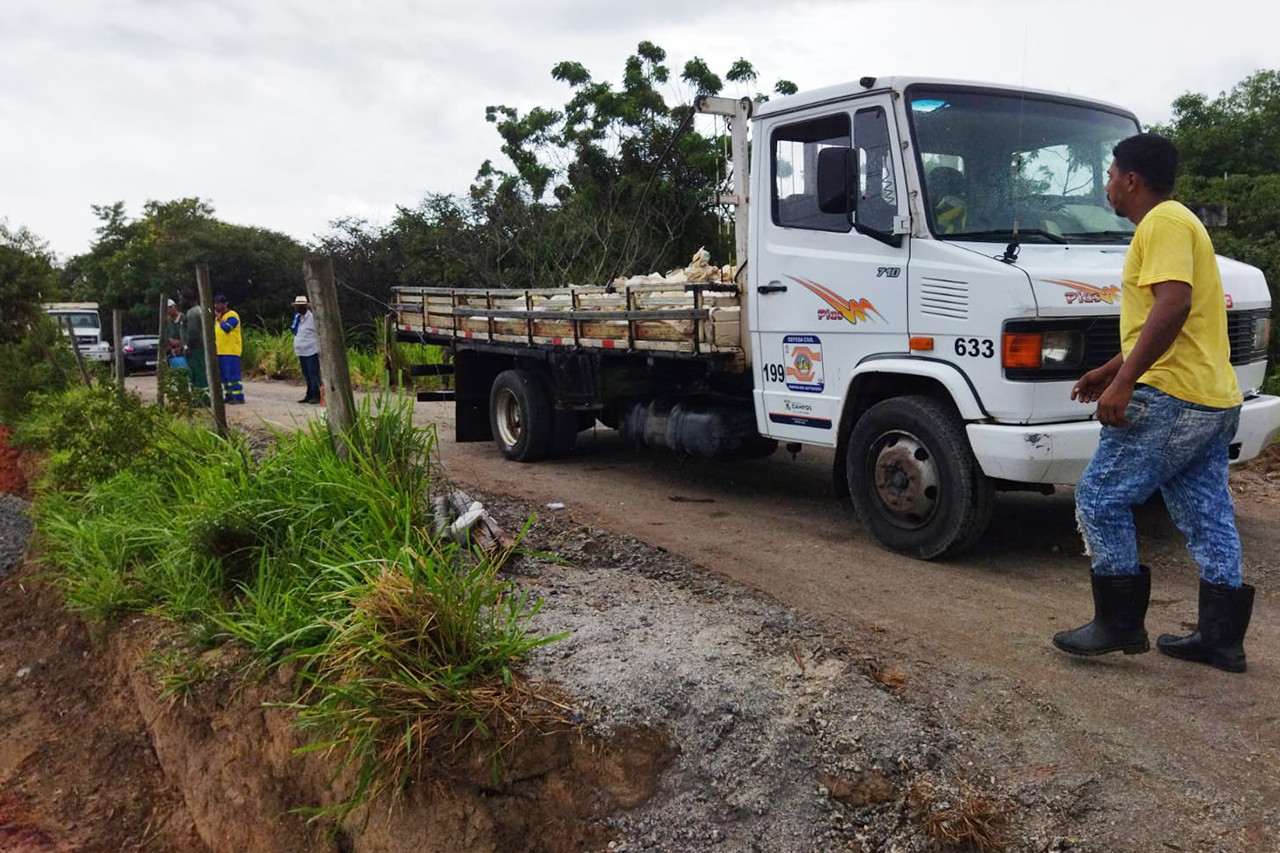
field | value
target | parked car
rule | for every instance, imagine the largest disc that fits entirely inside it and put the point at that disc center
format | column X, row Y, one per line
column 140, row 352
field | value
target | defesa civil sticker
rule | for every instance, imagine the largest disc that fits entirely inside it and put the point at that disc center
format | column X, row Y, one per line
column 802, row 359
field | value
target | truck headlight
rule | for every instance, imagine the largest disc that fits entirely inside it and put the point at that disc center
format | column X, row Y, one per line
column 1061, row 349
column 1261, row 334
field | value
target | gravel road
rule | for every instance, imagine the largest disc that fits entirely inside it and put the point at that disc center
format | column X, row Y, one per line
column 1125, row 754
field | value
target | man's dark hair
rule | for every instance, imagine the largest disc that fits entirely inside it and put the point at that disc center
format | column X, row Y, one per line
column 1152, row 156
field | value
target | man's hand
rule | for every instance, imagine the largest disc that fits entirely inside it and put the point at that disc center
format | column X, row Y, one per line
column 1092, row 384
column 1111, row 405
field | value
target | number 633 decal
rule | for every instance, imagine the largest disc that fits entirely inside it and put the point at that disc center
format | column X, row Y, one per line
column 976, row 347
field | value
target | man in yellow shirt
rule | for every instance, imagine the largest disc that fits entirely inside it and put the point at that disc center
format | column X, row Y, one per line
column 230, row 346
column 1169, row 404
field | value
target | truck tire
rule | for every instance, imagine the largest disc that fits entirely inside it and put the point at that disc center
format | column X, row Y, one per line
column 914, row 480
column 520, row 415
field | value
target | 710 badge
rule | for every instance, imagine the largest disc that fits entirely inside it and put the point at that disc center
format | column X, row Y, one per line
column 801, row 367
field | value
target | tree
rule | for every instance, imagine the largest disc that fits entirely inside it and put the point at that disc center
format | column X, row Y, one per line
column 33, row 353
column 28, row 278
column 133, row 261
column 1230, row 154
column 616, row 181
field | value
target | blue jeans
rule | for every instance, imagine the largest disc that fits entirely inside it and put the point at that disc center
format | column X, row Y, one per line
column 1181, row 449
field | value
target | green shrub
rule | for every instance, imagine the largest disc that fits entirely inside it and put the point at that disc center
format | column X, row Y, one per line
column 91, row 434
column 36, row 360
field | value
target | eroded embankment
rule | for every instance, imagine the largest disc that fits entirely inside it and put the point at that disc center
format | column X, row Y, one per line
column 231, row 749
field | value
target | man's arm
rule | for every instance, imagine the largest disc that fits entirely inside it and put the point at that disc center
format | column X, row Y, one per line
column 1168, row 314
column 230, row 323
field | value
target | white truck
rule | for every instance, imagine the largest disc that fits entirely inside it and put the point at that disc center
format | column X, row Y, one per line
column 932, row 265
column 87, row 325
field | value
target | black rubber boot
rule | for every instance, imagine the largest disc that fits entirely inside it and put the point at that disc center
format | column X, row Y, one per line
column 1219, row 636
column 1119, row 614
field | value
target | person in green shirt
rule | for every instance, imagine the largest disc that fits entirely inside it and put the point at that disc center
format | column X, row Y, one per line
column 172, row 343
column 193, row 342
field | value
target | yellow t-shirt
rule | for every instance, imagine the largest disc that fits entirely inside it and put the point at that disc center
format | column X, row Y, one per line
column 229, row 343
column 1171, row 244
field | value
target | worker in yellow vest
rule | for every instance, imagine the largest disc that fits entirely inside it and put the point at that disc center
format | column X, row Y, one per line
column 230, row 345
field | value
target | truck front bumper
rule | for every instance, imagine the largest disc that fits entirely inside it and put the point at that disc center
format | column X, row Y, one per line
column 1059, row 453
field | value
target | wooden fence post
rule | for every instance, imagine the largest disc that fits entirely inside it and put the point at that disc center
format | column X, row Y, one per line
column 117, row 352
column 323, row 295
column 162, row 352
column 388, row 350
column 75, row 347
column 211, row 350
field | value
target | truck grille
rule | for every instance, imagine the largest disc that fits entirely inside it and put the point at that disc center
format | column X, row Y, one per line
column 1102, row 341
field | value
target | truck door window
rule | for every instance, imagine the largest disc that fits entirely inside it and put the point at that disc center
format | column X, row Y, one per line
column 877, row 184
column 795, row 172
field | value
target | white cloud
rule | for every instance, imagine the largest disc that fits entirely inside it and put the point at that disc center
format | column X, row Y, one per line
column 287, row 115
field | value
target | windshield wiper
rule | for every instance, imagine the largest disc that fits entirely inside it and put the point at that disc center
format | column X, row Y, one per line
column 1009, row 233
column 1098, row 236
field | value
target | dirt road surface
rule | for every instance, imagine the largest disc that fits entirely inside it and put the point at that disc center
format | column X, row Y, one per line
column 1172, row 755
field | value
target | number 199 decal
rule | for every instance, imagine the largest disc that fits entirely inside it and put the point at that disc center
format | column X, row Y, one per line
column 976, row 347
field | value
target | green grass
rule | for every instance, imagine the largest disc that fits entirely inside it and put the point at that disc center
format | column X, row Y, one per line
column 271, row 357
column 407, row 645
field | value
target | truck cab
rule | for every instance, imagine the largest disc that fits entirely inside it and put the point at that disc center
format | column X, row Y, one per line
column 933, row 265
column 84, row 319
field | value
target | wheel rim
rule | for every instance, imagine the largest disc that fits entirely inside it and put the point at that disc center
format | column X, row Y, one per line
column 905, row 480
column 510, row 427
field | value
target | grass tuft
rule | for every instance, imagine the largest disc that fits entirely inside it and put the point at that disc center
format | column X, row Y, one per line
column 960, row 817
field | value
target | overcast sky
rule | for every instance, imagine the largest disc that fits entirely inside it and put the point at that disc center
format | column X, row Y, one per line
column 288, row 114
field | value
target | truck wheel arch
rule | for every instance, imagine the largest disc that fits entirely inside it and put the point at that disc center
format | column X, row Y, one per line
column 876, row 379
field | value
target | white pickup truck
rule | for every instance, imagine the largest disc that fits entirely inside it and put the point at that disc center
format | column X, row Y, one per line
column 932, row 265
column 84, row 318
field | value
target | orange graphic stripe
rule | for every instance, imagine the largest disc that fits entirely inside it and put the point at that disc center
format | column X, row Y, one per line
column 1108, row 294
column 851, row 311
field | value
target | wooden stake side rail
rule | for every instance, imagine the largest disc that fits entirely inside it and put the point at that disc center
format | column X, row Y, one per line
column 673, row 317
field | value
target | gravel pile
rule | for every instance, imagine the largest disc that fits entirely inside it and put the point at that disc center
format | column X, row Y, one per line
column 15, row 530
column 783, row 741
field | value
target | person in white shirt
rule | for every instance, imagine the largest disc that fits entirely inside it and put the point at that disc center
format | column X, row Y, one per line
column 306, row 345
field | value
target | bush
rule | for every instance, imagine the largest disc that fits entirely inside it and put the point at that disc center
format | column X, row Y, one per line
column 295, row 555
column 37, row 360
column 91, row 434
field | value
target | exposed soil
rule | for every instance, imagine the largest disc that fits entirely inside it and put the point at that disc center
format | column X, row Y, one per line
column 808, row 681
column 77, row 767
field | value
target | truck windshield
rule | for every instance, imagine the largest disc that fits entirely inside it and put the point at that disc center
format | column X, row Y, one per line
column 999, row 163
column 79, row 319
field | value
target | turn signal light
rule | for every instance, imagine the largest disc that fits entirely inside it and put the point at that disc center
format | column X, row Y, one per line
column 920, row 343
column 1020, row 349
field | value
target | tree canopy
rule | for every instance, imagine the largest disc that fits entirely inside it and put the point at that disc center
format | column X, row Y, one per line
column 1229, row 148
column 133, row 261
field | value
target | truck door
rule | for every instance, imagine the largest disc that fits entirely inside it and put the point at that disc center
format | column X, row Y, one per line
column 827, row 291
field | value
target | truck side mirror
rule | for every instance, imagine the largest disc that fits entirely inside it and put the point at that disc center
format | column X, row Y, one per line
column 837, row 167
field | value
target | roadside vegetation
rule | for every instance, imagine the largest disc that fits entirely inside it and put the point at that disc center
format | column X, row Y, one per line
column 270, row 356
column 405, row 646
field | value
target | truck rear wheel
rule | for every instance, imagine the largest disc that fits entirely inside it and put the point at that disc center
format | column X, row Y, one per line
column 521, row 416
column 914, row 480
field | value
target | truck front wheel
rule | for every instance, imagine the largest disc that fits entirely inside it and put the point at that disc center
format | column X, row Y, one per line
column 520, row 415
column 914, row 480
